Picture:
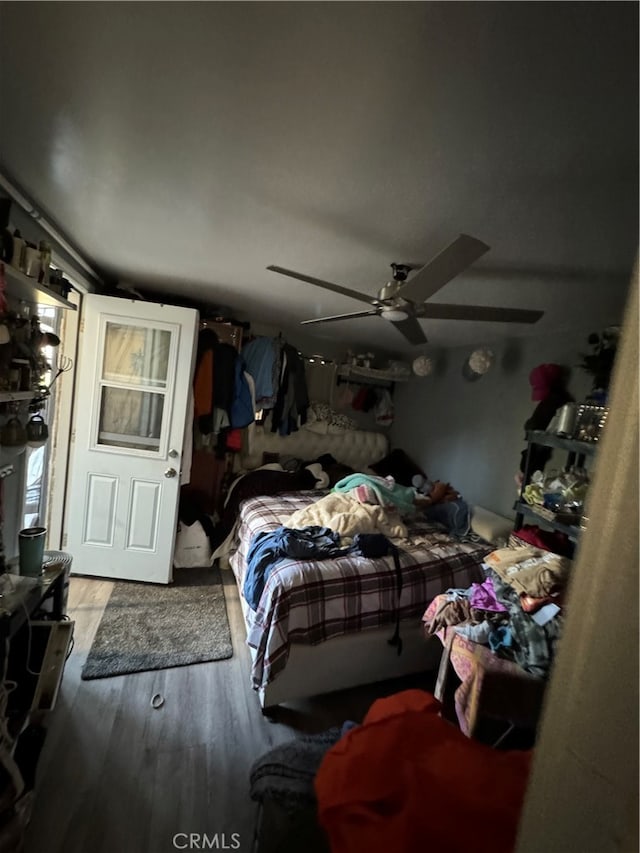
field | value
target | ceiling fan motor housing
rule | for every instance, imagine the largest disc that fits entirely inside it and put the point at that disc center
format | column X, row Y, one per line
column 388, row 292
column 400, row 271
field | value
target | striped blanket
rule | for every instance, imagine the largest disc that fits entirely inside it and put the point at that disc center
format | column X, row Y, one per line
column 310, row 602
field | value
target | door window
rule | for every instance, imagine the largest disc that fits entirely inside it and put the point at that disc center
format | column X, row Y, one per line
column 133, row 386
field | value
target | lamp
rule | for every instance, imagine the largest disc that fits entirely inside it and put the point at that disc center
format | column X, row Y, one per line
column 395, row 315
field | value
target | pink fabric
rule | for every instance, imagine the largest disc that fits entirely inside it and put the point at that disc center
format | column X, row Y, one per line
column 365, row 495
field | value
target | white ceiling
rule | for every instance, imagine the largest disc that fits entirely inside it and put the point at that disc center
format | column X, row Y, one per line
column 189, row 145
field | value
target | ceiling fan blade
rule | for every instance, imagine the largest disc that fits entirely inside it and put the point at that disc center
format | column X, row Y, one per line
column 439, row 311
column 326, row 284
column 447, row 265
column 411, row 329
column 341, row 317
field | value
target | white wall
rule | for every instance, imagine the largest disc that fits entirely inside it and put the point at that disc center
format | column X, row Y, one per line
column 472, row 433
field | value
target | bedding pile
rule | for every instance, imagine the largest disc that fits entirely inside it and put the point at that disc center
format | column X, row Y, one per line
column 348, row 517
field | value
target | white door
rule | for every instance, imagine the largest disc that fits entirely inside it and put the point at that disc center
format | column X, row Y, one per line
column 135, row 365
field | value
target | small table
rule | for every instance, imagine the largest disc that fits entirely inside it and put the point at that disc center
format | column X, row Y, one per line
column 491, row 686
column 21, row 596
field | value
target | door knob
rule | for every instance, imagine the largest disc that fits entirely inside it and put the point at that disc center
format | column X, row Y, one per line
column 170, row 472
column 173, row 453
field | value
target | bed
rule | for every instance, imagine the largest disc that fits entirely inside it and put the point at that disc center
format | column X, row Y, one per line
column 324, row 626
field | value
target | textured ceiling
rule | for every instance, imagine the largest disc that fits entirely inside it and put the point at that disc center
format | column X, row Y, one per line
column 190, row 145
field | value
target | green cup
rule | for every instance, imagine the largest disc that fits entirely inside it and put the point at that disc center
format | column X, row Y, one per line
column 31, row 550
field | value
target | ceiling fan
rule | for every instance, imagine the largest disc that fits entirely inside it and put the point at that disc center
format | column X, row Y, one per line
column 403, row 302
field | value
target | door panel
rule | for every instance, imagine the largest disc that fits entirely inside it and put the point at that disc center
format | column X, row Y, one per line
column 99, row 523
column 143, row 516
column 136, row 364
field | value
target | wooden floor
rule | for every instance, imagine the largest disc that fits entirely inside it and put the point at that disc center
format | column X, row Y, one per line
column 117, row 776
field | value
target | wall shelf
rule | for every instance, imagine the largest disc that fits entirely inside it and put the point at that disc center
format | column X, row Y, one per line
column 571, row 445
column 526, row 510
column 369, row 375
column 15, row 396
column 23, row 287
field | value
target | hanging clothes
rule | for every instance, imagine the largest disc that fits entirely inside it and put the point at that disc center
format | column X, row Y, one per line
column 242, row 412
column 203, row 379
column 292, row 402
column 214, row 382
column 262, row 357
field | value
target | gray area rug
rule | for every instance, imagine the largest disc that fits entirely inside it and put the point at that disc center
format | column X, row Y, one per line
column 148, row 626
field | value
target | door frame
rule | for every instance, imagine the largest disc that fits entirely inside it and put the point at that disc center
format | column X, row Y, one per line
column 60, row 449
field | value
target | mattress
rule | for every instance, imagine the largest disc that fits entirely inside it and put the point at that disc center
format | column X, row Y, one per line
column 313, row 601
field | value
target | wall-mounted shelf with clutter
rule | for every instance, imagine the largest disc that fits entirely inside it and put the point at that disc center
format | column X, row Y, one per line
column 358, row 369
column 22, row 286
column 371, row 375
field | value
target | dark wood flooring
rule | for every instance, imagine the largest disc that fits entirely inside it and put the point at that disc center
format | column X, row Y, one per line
column 117, row 776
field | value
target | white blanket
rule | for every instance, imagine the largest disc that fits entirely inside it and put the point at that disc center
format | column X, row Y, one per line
column 348, row 516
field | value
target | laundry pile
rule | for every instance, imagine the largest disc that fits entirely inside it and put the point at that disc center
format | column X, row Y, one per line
column 516, row 610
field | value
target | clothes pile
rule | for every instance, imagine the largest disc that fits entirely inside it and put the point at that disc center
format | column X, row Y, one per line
column 516, row 611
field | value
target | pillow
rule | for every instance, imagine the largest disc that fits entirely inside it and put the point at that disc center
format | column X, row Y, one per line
column 399, row 466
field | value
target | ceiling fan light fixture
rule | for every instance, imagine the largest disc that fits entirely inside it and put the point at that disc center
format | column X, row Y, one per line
column 395, row 315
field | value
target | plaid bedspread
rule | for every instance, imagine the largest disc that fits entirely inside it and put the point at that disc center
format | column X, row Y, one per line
column 309, row 602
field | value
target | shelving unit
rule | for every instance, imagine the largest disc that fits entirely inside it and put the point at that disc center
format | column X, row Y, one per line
column 572, row 446
column 28, row 289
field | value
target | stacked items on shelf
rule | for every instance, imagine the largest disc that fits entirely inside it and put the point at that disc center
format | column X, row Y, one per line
column 23, row 364
column 555, row 501
column 558, row 496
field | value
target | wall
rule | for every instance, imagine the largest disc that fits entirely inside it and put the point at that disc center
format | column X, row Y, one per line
column 472, row 433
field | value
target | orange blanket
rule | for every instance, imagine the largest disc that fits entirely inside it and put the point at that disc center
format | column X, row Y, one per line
column 406, row 781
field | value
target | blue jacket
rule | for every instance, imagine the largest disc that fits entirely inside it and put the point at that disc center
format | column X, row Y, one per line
column 268, row 550
column 260, row 359
column 241, row 414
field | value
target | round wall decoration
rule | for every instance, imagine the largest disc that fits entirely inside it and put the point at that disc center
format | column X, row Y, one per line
column 422, row 365
column 478, row 363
